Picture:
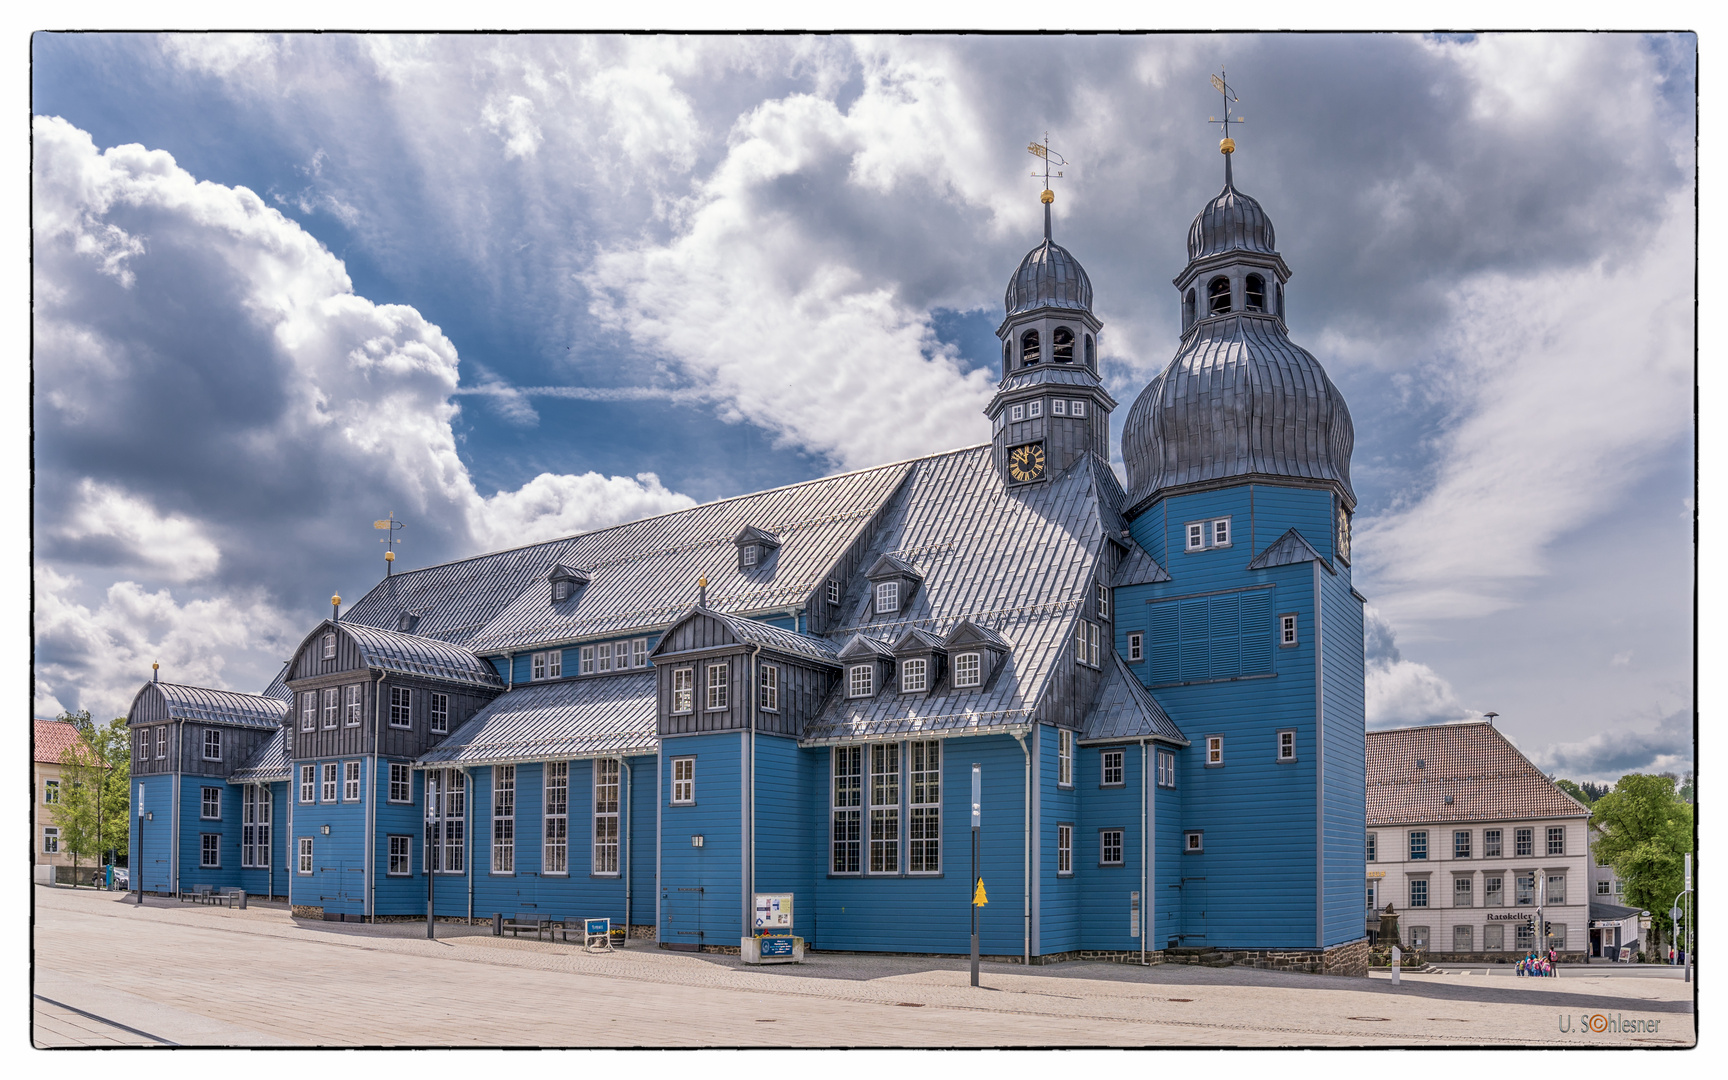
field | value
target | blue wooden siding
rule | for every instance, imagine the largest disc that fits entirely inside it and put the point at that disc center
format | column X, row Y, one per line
column 1104, row 920
column 271, row 880
column 1058, row 900
column 790, row 853
column 337, row 882
column 1346, row 765
column 701, row 888
column 193, row 827
column 156, row 836
column 1169, row 864
column 400, row 895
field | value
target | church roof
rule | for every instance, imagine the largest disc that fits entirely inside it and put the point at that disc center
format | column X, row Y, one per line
column 573, row 718
column 1412, row 772
column 1048, row 276
column 268, row 763
column 1138, row 568
column 1232, row 221
column 207, row 706
column 1290, row 548
column 1238, row 401
column 1124, row 709
column 413, row 654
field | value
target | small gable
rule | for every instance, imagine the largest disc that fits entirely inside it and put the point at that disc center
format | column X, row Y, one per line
column 566, row 582
column 1286, row 550
column 892, row 583
column 755, row 548
column 1137, row 568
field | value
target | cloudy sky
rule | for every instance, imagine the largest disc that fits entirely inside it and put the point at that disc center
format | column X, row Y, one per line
column 511, row 288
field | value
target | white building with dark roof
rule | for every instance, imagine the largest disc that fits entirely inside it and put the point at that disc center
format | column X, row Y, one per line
column 1469, row 842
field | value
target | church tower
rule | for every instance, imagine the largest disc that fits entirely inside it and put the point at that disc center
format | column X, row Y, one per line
column 1050, row 407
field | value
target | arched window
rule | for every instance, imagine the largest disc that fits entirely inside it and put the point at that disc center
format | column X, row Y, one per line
column 1254, row 292
column 1063, row 340
column 1091, row 353
column 1188, row 310
column 1280, row 289
column 1007, row 357
column 1218, row 296
column 1029, row 347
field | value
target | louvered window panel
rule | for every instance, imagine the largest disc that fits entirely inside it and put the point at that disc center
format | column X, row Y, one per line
column 1196, row 662
column 1217, row 637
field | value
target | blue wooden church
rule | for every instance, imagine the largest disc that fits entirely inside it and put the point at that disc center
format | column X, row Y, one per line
column 786, row 692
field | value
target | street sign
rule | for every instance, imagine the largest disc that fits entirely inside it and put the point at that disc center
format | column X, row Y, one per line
column 1674, row 912
column 977, row 795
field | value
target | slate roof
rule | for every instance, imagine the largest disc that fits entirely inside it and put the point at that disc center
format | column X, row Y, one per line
column 574, row 718
column 1290, row 548
column 1488, row 779
column 207, row 706
column 1138, row 568
column 51, row 738
column 268, row 763
column 1048, row 276
column 1017, row 562
column 1602, row 911
column 411, row 654
column 278, row 688
column 643, row 574
column 1124, row 709
column 1232, row 221
column 757, row 632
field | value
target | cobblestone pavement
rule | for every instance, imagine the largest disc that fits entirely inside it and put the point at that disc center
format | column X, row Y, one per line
column 206, row 976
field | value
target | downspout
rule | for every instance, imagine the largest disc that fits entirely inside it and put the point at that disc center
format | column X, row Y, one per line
column 659, row 809
column 1026, row 868
column 1145, row 848
column 468, row 836
column 371, row 794
column 289, row 843
column 1319, row 771
column 629, row 790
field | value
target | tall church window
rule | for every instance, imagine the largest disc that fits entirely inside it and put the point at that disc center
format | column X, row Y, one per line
column 1029, row 347
column 848, row 791
column 925, row 803
column 884, row 808
column 504, row 819
column 1063, row 341
column 1254, row 292
column 606, row 816
column 1218, row 296
column 556, row 832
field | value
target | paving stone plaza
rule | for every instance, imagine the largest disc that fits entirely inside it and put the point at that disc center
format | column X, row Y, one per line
column 194, row 975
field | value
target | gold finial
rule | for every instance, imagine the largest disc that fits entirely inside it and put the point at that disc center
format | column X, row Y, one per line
column 389, row 556
column 1047, row 196
column 702, row 582
column 155, row 666
column 1227, row 146
column 335, row 599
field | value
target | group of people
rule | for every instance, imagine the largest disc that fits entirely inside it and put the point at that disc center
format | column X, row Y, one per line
column 1537, row 964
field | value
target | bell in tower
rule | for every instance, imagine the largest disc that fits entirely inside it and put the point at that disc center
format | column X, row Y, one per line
column 1050, row 407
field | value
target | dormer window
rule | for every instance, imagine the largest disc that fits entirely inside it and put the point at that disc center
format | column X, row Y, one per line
column 1063, row 340
column 1218, row 296
column 566, row 582
column 329, row 646
column 861, row 680
column 748, row 553
column 834, row 591
column 887, row 597
column 560, row 591
column 754, row 547
column 915, row 676
column 1254, row 293
column 1029, row 352
column 968, row 669
column 407, row 621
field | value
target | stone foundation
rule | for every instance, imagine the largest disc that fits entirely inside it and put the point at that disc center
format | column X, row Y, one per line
column 306, row 911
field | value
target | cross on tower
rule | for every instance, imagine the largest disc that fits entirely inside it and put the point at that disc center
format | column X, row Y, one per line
column 1221, row 84
column 1050, row 157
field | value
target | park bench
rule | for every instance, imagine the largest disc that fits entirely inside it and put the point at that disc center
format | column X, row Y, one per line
column 522, row 920
column 197, row 894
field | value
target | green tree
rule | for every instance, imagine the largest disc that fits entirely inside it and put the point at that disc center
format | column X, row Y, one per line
column 95, row 790
column 1646, row 834
column 1581, row 793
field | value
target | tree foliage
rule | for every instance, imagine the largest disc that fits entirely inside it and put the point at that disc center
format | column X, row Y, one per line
column 1646, row 832
column 1571, row 788
column 96, row 778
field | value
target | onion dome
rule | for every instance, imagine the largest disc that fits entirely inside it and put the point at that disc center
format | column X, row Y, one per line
column 1048, row 277
column 1231, row 222
column 1239, row 401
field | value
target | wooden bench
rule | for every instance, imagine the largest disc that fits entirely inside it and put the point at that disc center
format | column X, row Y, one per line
column 522, row 920
column 198, row 894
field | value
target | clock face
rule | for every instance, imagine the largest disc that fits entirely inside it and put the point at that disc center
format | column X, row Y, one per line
column 1026, row 463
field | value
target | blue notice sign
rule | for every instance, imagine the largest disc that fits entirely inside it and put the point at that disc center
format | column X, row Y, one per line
column 599, row 927
column 775, row 946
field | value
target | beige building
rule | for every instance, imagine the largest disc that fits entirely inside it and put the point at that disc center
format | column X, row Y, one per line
column 1467, row 840
column 52, row 737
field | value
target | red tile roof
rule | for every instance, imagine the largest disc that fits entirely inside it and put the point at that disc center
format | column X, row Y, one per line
column 1484, row 774
column 52, row 739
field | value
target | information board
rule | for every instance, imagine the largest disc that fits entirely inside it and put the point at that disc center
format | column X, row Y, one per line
column 773, row 913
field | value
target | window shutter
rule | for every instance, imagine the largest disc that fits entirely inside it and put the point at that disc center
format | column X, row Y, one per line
column 1196, row 632
column 1257, row 633
column 1162, row 641
column 1226, row 649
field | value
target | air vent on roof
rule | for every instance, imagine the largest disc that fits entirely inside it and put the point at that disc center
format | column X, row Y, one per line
column 1419, row 763
column 1448, row 800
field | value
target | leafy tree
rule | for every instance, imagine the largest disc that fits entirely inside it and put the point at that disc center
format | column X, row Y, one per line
column 95, row 789
column 1581, row 793
column 1685, row 792
column 1646, row 833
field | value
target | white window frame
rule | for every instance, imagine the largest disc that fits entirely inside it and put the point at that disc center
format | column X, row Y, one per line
column 915, row 675
column 1166, row 763
column 50, row 839
column 603, row 658
column 715, row 686
column 309, row 711
column 350, row 781
column 401, row 781
column 327, row 783
column 883, row 790
column 683, row 690
column 1077, row 407
column 1463, row 890
column 332, row 703
column 161, row 742
column 834, row 591
column 1064, row 849
column 1064, row 758
column 555, row 833
column 1016, row 413
column 749, row 553
column 400, row 853
column 352, row 706
column 440, row 721
column 1214, row 751
column 1288, row 635
column 924, row 807
column 768, row 687
column 1136, row 647
column 304, row 865
column 1058, row 406
column 1419, row 892
column 1092, row 645
column 1416, row 840
column 861, row 680
column 1104, row 846
column 684, row 781
column 1103, row 593
column 255, row 809
column 604, row 860
column 1034, row 408
column 536, row 667
column 560, row 591
column 1221, row 526
column 504, row 819
column 1284, row 749
column 968, row 670
column 639, row 652
column 51, row 792
column 585, row 660
column 401, row 707
column 451, row 797
column 846, row 811
column 209, row 851
column 308, row 784
column 213, row 744
column 1203, row 535
column 887, row 597
column 329, row 646
column 209, row 803
column 1195, row 532
column 1121, row 767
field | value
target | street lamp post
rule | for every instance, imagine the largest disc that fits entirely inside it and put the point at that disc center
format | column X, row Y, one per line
column 977, row 798
column 426, row 856
column 140, row 866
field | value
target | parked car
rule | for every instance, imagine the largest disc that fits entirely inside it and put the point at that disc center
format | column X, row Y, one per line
column 122, row 878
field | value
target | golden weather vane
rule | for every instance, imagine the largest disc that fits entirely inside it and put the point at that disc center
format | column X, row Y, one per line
column 1220, row 83
column 1051, row 157
column 390, row 525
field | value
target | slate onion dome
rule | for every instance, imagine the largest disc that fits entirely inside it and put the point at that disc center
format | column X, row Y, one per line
column 1240, row 400
column 1049, row 276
